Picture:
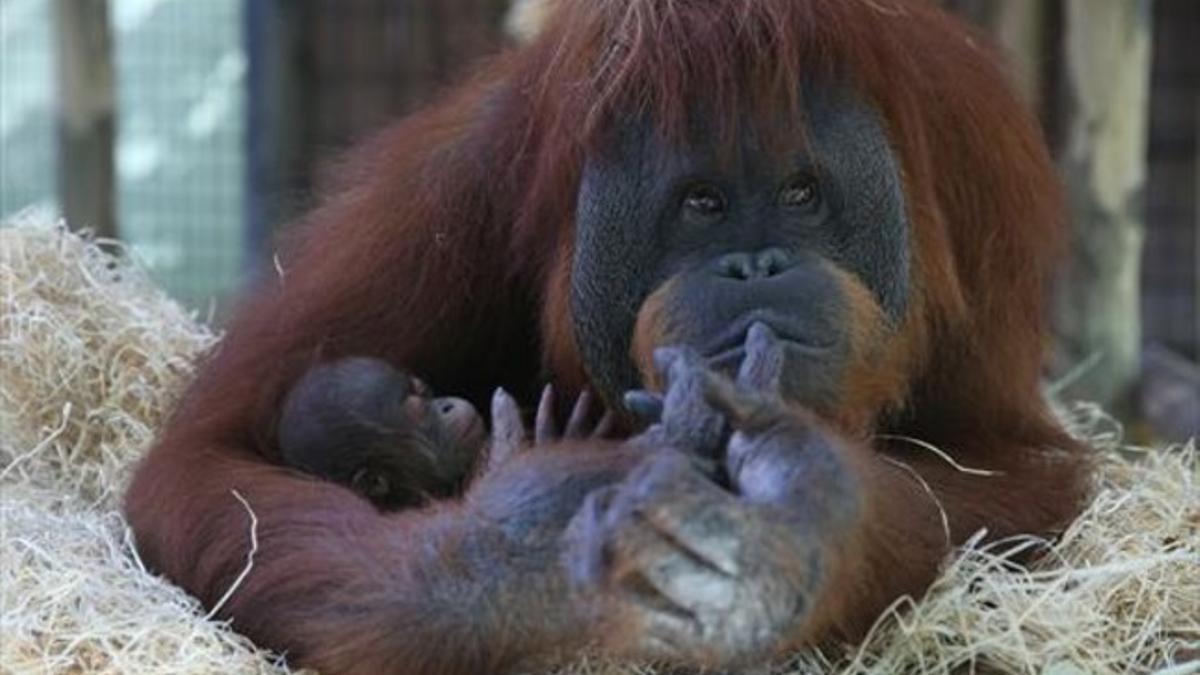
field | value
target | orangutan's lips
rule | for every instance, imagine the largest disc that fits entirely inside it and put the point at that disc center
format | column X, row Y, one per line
column 728, row 349
column 474, row 435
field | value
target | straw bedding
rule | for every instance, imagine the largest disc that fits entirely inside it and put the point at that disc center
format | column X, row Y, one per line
column 92, row 355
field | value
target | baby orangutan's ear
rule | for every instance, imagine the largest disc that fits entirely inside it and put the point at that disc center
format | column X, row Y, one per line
column 371, row 484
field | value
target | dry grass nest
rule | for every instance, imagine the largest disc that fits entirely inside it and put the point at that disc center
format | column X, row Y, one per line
column 93, row 354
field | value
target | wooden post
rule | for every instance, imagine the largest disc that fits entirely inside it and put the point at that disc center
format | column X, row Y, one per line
column 86, row 118
column 1105, row 90
column 278, row 117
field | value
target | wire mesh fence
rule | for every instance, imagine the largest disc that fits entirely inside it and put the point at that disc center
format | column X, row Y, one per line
column 1171, row 260
column 26, row 106
column 179, row 155
column 179, row 73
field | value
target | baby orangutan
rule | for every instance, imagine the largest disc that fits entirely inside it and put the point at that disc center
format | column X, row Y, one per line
column 380, row 431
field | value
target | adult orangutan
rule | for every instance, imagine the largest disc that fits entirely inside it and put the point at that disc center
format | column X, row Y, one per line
column 842, row 200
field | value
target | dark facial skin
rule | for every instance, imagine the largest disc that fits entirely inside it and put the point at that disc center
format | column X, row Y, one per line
column 756, row 235
column 364, row 424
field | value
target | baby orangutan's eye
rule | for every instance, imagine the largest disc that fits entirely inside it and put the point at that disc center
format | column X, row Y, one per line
column 371, row 484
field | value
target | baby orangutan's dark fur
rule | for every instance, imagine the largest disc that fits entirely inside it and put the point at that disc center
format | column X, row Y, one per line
column 815, row 233
column 375, row 429
column 361, row 423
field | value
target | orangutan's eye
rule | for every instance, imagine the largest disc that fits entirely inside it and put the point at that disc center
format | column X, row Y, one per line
column 704, row 200
column 800, row 192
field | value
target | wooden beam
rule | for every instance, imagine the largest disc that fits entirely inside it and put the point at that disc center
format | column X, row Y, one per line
column 279, row 113
column 86, row 117
column 1105, row 89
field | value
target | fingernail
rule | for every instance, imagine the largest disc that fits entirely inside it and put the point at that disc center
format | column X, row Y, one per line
column 759, row 332
column 644, row 405
column 664, row 357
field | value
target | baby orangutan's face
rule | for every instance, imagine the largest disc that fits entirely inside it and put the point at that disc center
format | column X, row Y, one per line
column 453, row 423
column 446, row 438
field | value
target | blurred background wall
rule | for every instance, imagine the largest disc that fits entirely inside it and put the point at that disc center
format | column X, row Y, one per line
column 196, row 129
column 179, row 96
